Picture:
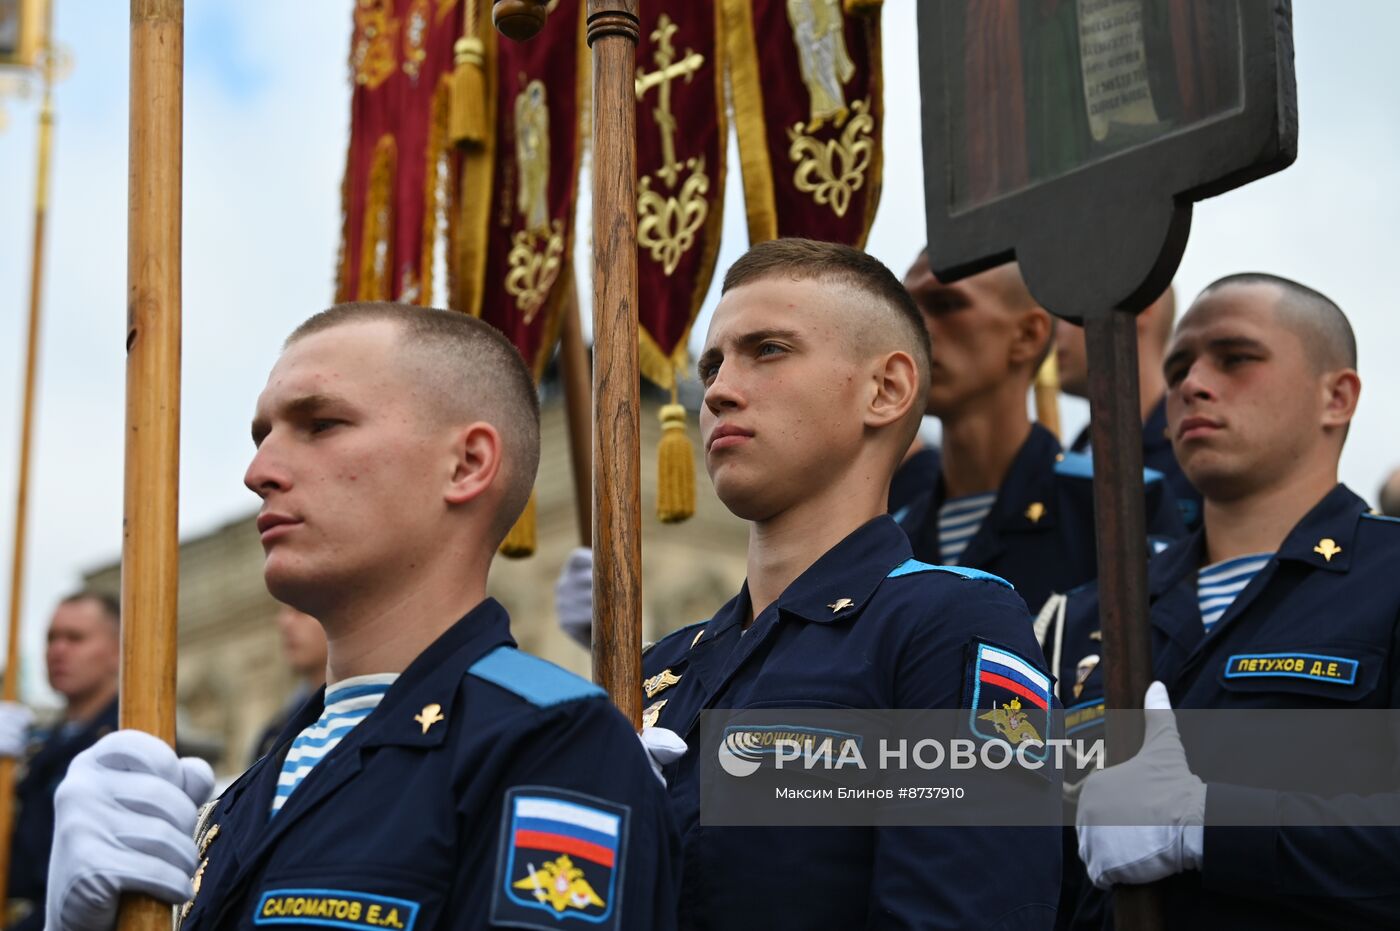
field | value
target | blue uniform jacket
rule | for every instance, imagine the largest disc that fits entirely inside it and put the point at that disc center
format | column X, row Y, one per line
column 1158, row 455
column 489, row 789
column 1039, row 535
column 1342, row 609
column 33, row 830
column 864, row 627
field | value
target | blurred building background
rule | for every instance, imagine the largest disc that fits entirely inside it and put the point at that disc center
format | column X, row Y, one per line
column 233, row 680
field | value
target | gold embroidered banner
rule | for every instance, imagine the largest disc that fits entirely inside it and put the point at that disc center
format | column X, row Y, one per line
column 517, row 206
column 398, row 185
column 809, row 111
column 681, row 140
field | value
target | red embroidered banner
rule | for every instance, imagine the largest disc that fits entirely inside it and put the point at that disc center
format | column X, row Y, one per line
column 681, row 140
column 809, row 111
column 397, row 191
column 540, row 91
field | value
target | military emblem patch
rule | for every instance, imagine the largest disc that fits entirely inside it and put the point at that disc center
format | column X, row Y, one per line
column 1008, row 696
column 561, row 857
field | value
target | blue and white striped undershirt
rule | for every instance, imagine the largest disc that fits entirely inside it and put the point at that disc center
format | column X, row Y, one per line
column 348, row 702
column 1217, row 586
column 959, row 519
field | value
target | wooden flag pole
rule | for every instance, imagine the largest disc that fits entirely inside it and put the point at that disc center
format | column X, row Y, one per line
column 613, row 33
column 150, row 538
column 1121, row 519
column 10, row 691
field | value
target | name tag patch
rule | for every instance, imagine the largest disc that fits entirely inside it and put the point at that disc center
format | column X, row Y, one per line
column 1086, row 715
column 562, row 856
column 1318, row 667
column 336, row 908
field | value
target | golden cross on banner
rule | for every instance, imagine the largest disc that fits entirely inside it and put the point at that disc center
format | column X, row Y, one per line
column 667, row 70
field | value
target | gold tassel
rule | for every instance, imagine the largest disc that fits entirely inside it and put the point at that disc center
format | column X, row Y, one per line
column 520, row 542
column 468, row 122
column 860, row 7
column 675, row 467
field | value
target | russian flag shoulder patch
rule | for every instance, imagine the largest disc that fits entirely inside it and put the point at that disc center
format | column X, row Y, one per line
column 561, row 857
column 1009, row 698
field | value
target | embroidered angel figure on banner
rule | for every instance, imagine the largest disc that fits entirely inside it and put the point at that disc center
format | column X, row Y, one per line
column 819, row 32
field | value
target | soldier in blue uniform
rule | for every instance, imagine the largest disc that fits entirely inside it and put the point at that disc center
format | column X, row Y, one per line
column 1008, row 499
column 815, row 370
column 1287, row 597
column 443, row 779
column 1154, row 331
column 83, row 657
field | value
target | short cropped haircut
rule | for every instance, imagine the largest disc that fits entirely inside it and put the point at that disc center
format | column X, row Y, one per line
column 109, row 603
column 832, row 263
column 1315, row 318
column 475, row 372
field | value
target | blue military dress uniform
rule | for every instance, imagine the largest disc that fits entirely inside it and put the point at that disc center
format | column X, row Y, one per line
column 489, row 789
column 865, row 627
column 1158, row 455
column 34, row 818
column 1317, row 627
column 1039, row 535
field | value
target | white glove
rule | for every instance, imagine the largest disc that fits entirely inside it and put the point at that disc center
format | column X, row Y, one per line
column 1143, row 820
column 573, row 596
column 14, row 728
column 662, row 746
column 124, row 820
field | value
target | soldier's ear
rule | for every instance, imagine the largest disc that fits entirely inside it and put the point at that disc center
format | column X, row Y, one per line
column 894, row 389
column 1341, row 391
column 1032, row 337
column 476, row 461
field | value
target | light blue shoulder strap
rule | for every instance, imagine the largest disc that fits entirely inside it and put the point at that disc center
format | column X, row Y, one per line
column 913, row 567
column 1081, row 465
column 539, row 682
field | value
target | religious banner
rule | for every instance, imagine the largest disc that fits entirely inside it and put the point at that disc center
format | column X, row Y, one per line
column 680, row 205
column 540, row 94
column 809, row 111
column 398, row 186
column 519, row 135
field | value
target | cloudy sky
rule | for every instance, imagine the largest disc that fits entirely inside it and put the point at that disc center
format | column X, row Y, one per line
column 266, row 122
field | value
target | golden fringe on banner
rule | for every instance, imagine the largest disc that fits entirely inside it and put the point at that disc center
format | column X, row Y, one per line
column 437, row 192
column 759, row 199
column 375, row 269
column 875, row 176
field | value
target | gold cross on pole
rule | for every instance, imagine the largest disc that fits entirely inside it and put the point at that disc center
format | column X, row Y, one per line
column 667, row 70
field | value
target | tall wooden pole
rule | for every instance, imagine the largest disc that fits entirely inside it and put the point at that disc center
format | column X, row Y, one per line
column 150, row 541
column 613, row 33
column 1121, row 518
column 10, row 690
